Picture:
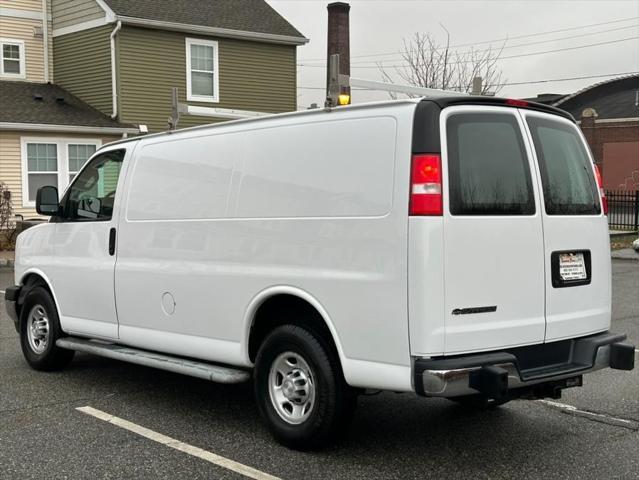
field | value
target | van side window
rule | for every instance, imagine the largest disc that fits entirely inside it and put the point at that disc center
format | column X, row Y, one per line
column 487, row 165
column 91, row 196
column 566, row 170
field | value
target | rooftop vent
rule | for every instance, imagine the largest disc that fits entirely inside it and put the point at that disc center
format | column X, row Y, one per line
column 37, row 97
column 59, row 100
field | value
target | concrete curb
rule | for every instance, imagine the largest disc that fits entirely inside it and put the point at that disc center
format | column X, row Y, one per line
column 6, row 263
column 617, row 233
column 625, row 254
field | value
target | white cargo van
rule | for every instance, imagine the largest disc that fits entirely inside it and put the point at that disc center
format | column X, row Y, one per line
column 452, row 247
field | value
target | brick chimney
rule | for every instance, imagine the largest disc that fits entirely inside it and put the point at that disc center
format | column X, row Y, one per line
column 339, row 36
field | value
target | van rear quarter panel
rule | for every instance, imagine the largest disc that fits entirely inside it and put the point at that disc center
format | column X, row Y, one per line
column 317, row 203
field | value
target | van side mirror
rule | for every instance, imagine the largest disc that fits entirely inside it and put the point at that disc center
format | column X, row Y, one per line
column 47, row 202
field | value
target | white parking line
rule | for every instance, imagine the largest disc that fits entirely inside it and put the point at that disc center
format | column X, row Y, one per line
column 592, row 415
column 177, row 445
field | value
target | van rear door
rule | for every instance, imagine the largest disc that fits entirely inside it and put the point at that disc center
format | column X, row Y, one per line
column 577, row 248
column 493, row 237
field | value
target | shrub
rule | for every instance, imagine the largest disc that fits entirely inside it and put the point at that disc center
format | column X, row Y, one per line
column 7, row 220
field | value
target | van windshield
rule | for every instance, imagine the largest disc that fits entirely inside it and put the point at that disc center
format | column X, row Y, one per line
column 566, row 170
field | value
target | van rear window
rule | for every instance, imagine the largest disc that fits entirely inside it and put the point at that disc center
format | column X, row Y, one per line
column 566, row 170
column 487, row 165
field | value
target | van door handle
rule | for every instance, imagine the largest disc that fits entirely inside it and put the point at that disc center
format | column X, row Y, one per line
column 112, row 241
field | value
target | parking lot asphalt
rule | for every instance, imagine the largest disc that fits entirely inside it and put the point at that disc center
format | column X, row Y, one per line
column 592, row 432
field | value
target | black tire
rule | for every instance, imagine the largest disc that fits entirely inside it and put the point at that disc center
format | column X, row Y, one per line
column 334, row 401
column 478, row 402
column 50, row 357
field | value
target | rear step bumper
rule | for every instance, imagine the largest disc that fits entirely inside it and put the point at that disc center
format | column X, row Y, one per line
column 185, row 366
column 495, row 374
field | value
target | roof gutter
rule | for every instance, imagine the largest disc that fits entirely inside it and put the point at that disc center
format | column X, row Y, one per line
column 114, row 86
column 614, row 120
column 45, row 40
column 45, row 127
column 214, row 31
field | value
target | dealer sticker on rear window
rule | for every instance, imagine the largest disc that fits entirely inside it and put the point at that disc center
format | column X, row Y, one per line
column 572, row 266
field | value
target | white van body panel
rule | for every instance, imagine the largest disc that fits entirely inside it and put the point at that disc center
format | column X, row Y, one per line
column 338, row 226
column 73, row 258
column 586, row 309
column 82, row 274
column 213, row 221
column 492, row 261
column 426, row 286
column 360, row 373
column 34, row 252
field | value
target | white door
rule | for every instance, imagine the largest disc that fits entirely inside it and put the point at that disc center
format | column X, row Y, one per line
column 577, row 248
column 493, row 238
column 84, row 246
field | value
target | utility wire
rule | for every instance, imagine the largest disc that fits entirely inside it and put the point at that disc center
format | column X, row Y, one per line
column 492, row 41
column 506, row 47
column 548, row 80
column 565, row 79
column 500, row 58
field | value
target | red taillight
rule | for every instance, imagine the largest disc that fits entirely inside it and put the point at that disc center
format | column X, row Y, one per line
column 426, row 185
column 602, row 192
column 513, row 102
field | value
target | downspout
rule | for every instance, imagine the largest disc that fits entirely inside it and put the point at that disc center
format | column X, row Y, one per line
column 114, row 86
column 45, row 37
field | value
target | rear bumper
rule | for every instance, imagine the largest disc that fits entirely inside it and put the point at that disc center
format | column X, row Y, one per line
column 495, row 374
column 11, row 296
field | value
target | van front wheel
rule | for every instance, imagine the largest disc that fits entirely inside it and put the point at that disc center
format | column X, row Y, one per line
column 39, row 330
column 300, row 390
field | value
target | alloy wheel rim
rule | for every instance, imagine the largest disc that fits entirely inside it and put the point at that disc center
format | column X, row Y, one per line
column 291, row 386
column 38, row 330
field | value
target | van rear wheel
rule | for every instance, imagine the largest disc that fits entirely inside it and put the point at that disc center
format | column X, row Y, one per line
column 300, row 390
column 39, row 330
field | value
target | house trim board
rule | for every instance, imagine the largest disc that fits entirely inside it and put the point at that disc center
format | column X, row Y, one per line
column 44, row 127
column 182, row 27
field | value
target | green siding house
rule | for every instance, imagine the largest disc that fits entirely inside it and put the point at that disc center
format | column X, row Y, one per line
column 228, row 58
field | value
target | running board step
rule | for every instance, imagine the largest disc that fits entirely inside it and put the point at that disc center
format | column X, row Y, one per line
column 193, row 368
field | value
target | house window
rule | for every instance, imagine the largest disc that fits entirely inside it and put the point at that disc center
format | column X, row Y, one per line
column 52, row 162
column 42, row 165
column 202, row 75
column 78, row 155
column 12, row 58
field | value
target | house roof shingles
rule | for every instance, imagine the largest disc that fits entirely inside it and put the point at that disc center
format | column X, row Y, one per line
column 243, row 15
column 546, row 98
column 616, row 98
column 19, row 105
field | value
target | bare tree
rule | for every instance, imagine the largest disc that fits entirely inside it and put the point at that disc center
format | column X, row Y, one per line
column 430, row 64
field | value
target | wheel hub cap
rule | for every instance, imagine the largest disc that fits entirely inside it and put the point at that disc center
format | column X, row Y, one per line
column 291, row 388
column 296, row 386
column 38, row 329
